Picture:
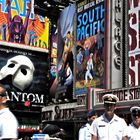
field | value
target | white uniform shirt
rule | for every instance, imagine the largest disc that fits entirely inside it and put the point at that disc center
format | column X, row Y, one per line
column 132, row 132
column 8, row 124
column 105, row 130
column 84, row 133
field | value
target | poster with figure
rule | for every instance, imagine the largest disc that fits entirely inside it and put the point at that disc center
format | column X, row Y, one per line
column 24, row 73
column 65, row 61
column 133, row 42
column 53, row 69
column 90, row 47
column 19, row 24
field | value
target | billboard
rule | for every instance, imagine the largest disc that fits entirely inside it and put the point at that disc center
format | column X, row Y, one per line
column 133, row 42
column 19, row 24
column 24, row 73
column 90, row 46
column 65, row 60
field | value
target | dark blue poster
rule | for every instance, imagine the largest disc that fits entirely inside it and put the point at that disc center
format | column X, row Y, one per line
column 90, row 47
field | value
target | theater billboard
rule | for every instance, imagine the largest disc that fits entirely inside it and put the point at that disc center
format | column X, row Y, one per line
column 19, row 24
column 90, row 45
column 24, row 73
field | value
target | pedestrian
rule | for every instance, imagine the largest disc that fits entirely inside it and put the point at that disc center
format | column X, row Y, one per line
column 133, row 130
column 108, row 126
column 84, row 133
column 8, row 122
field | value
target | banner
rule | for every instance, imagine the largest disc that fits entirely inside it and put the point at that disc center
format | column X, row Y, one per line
column 19, row 24
column 24, row 74
column 65, row 54
column 90, row 66
column 133, row 42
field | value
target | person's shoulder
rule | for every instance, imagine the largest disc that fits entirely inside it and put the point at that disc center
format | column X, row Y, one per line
column 83, row 126
column 98, row 119
column 119, row 118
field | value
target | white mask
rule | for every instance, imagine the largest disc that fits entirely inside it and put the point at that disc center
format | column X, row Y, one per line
column 21, row 68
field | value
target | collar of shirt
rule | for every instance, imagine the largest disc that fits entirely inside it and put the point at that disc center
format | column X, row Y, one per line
column 115, row 118
column 132, row 125
column 88, row 125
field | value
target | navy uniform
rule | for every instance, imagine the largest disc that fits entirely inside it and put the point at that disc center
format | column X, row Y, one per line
column 133, row 130
column 108, row 127
column 84, row 133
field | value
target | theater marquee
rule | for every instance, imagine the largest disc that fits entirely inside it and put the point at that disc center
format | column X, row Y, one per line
column 124, row 94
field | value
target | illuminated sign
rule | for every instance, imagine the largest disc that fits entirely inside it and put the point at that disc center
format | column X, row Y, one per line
column 124, row 94
column 117, row 33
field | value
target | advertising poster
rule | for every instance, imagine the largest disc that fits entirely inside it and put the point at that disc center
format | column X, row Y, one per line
column 53, row 69
column 19, row 24
column 90, row 47
column 24, row 73
column 65, row 54
column 134, row 42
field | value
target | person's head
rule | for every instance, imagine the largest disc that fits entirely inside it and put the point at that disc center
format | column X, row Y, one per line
column 110, row 104
column 3, row 97
column 68, row 34
column 135, row 115
column 91, row 116
column 67, row 65
column 91, row 55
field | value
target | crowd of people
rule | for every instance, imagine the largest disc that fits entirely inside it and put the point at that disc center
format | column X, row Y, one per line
column 110, row 126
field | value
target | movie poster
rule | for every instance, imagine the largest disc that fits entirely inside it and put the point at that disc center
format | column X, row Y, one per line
column 19, row 24
column 24, row 73
column 90, row 47
column 133, row 42
column 65, row 55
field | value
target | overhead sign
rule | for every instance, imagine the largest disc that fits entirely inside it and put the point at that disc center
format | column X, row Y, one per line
column 124, row 94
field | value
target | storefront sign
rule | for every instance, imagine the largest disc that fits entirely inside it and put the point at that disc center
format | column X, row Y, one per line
column 124, row 94
column 58, row 112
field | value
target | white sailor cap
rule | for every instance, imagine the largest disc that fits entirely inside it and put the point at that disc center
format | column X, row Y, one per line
column 135, row 110
column 110, row 98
